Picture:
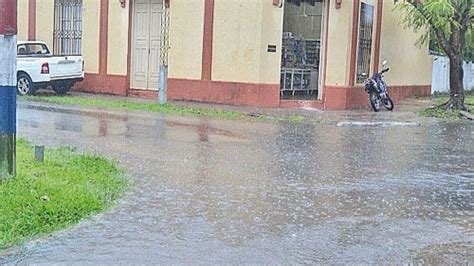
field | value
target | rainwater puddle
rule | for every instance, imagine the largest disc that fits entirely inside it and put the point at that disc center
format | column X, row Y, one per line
column 231, row 192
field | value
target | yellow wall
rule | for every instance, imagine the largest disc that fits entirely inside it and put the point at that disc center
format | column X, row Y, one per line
column 90, row 38
column 90, row 35
column 117, row 39
column 242, row 32
column 45, row 21
column 237, row 41
column 339, row 44
column 22, row 20
column 186, row 39
column 409, row 64
column 272, row 28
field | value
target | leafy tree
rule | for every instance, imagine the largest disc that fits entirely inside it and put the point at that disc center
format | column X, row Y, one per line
column 449, row 24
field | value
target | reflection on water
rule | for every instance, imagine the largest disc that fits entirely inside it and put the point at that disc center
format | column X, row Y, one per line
column 238, row 192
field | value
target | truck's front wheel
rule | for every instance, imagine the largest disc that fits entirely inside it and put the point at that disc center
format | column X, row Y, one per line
column 24, row 85
column 61, row 88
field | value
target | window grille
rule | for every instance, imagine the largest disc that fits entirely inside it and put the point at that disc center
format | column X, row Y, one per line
column 366, row 26
column 67, row 27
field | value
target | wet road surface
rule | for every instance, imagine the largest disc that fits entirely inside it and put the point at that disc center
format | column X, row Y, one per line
column 212, row 191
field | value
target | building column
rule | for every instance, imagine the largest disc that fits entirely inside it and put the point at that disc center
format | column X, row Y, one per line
column 206, row 73
column 31, row 20
column 103, row 36
column 378, row 34
column 355, row 34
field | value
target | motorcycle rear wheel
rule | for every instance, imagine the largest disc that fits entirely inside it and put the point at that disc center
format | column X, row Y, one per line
column 374, row 102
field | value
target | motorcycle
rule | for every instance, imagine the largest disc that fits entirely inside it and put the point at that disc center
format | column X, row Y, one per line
column 378, row 90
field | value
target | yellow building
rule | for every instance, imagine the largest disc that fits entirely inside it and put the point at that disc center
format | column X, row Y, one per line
column 269, row 53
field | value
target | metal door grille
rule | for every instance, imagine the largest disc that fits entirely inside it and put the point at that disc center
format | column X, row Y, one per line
column 165, row 27
column 366, row 26
column 67, row 27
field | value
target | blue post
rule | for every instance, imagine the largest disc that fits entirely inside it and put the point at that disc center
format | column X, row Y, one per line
column 8, row 31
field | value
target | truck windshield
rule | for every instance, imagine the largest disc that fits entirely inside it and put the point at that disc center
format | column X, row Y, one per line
column 32, row 49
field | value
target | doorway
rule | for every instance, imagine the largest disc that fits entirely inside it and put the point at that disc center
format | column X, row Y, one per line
column 301, row 49
column 146, row 31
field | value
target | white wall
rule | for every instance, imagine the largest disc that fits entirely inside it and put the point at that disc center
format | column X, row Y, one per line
column 441, row 75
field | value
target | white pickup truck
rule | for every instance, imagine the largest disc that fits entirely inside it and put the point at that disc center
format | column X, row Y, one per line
column 37, row 69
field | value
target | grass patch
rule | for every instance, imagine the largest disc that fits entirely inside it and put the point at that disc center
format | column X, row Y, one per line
column 45, row 197
column 135, row 106
column 295, row 119
column 125, row 104
column 448, row 114
column 441, row 113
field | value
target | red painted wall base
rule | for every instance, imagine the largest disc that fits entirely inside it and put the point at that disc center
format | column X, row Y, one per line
column 340, row 98
column 234, row 93
column 147, row 94
column 249, row 94
column 108, row 84
column 301, row 103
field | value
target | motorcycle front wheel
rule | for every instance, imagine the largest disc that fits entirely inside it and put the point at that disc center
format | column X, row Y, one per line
column 388, row 103
column 374, row 102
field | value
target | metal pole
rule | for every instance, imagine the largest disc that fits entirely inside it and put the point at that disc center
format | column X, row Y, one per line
column 8, row 31
column 163, row 82
column 39, row 153
column 162, row 90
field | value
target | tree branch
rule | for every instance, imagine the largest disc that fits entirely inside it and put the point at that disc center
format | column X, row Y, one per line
column 466, row 18
column 442, row 40
column 465, row 22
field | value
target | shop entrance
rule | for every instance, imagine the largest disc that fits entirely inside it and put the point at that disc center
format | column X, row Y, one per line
column 301, row 50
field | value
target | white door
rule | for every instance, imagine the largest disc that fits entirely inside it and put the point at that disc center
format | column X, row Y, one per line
column 146, row 44
column 155, row 38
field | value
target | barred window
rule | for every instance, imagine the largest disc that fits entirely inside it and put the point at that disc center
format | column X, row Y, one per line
column 67, row 27
column 364, row 51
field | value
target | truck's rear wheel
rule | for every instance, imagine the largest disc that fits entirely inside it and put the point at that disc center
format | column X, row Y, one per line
column 62, row 88
column 24, row 85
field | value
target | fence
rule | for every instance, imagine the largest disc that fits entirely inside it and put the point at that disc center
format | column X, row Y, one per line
column 440, row 82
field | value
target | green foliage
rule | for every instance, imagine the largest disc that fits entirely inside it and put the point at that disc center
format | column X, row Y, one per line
column 56, row 193
column 136, row 106
column 295, row 119
column 438, row 19
column 448, row 114
column 441, row 113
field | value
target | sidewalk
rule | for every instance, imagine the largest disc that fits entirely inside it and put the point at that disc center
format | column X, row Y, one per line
column 405, row 111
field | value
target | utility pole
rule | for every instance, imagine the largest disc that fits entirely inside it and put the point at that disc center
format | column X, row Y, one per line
column 163, row 82
column 8, row 31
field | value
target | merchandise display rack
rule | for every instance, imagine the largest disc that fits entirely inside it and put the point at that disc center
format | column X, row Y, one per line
column 300, row 63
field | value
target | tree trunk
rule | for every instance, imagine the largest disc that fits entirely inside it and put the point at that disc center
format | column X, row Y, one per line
column 456, row 84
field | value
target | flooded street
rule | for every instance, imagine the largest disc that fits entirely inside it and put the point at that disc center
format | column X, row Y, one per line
column 208, row 191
